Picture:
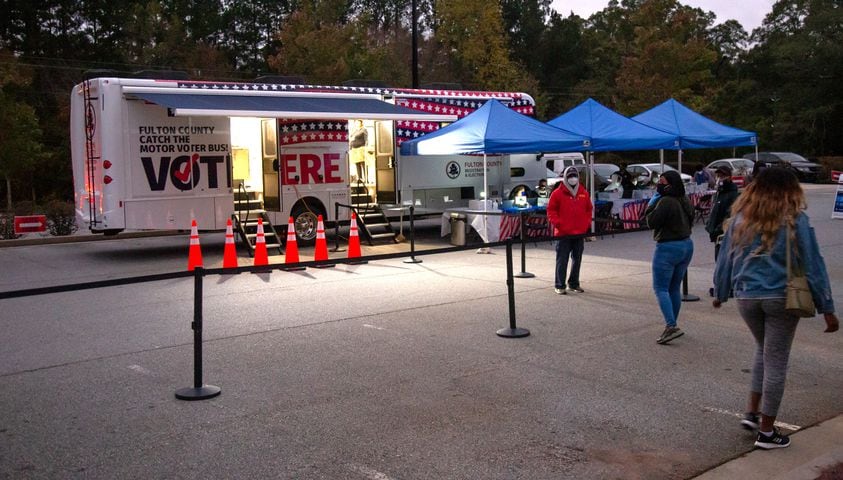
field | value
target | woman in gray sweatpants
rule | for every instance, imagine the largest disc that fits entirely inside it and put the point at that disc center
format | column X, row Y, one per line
column 752, row 263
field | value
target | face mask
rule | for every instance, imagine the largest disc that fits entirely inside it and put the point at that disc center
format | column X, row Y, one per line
column 662, row 188
column 573, row 181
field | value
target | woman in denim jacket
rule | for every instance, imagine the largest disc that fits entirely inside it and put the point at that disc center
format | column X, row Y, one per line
column 752, row 264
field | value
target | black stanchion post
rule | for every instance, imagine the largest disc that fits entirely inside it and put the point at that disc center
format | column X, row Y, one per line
column 513, row 331
column 199, row 391
column 685, row 296
column 336, row 228
column 523, row 273
column 412, row 258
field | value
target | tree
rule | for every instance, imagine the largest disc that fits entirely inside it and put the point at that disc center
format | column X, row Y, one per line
column 562, row 63
column 321, row 41
column 20, row 145
column 470, row 46
column 251, row 30
column 797, row 65
column 670, row 56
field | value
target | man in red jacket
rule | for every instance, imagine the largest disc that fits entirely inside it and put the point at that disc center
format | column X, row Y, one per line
column 569, row 212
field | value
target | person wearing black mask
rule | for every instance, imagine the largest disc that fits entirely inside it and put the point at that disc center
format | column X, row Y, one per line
column 670, row 215
column 721, row 206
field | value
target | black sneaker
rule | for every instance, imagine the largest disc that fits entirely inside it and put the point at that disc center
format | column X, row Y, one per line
column 669, row 334
column 576, row 289
column 750, row 421
column 776, row 440
column 560, row 291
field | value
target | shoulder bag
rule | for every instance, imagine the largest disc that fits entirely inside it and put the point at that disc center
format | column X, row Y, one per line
column 798, row 297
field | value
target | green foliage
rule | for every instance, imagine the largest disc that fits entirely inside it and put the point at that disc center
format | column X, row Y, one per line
column 796, row 66
column 472, row 44
column 7, row 226
column 61, row 218
column 20, row 146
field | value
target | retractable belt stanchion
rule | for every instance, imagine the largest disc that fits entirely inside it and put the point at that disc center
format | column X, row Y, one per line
column 336, row 228
column 685, row 296
column 199, row 391
column 412, row 258
column 523, row 273
column 513, row 331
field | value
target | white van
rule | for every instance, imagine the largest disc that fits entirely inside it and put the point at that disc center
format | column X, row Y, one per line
column 558, row 162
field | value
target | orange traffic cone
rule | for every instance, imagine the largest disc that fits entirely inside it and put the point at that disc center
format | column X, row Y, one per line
column 354, row 240
column 291, row 254
column 229, row 256
column 291, row 251
column 194, row 256
column 321, row 252
column 261, row 257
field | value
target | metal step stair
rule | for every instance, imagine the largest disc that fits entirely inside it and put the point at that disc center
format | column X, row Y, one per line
column 373, row 224
column 371, row 220
column 248, row 207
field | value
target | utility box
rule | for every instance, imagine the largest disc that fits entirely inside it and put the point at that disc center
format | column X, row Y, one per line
column 458, row 229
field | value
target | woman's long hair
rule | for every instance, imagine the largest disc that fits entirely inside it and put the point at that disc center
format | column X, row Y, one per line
column 771, row 199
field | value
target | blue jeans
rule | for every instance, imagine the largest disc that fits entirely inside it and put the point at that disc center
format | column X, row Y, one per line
column 569, row 247
column 670, row 263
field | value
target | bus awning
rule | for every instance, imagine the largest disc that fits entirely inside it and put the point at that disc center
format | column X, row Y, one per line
column 315, row 107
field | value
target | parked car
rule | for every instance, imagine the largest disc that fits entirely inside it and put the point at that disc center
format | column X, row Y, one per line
column 642, row 173
column 805, row 170
column 741, row 167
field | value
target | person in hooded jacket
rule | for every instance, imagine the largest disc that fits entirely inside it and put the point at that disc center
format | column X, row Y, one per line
column 670, row 215
column 569, row 211
column 721, row 205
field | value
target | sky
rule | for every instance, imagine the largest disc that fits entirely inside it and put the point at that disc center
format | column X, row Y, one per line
column 750, row 13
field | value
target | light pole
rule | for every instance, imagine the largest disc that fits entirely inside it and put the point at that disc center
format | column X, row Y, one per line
column 415, row 42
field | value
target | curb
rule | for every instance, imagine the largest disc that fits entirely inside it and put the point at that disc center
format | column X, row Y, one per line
column 87, row 237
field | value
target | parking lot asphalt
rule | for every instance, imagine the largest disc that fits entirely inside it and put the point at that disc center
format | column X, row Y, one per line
column 393, row 370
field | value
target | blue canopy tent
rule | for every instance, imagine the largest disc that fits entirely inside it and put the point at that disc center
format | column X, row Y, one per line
column 496, row 129
column 611, row 131
column 694, row 130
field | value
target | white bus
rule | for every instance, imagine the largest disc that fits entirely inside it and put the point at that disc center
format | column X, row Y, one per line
column 156, row 154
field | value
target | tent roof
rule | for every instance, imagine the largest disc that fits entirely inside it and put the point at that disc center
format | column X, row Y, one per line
column 611, row 131
column 694, row 130
column 494, row 128
column 313, row 105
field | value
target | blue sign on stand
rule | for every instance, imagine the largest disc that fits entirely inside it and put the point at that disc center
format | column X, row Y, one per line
column 838, row 201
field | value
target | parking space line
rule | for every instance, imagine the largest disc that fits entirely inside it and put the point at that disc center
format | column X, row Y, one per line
column 786, row 426
column 370, row 473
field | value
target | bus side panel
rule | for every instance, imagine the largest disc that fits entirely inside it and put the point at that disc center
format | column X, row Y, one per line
column 179, row 168
column 318, row 170
column 429, row 179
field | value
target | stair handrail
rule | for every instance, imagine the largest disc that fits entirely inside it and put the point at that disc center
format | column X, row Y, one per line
column 242, row 190
column 337, row 206
column 361, row 184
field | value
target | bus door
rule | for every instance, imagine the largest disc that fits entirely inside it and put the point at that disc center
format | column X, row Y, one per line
column 269, row 152
column 385, row 162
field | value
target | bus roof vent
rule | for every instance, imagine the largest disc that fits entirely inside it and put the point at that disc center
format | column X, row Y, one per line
column 161, row 74
column 100, row 73
column 365, row 83
column 442, row 86
column 281, row 79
